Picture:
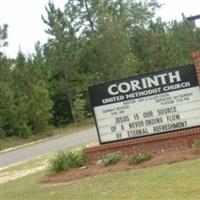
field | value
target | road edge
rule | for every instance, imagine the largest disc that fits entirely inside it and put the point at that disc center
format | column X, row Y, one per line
column 37, row 141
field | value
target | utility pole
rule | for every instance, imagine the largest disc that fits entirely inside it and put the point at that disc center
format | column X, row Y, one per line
column 192, row 18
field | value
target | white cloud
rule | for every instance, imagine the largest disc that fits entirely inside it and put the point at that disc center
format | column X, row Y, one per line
column 172, row 9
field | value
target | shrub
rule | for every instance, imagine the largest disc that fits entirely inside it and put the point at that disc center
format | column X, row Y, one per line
column 23, row 131
column 112, row 158
column 196, row 146
column 134, row 160
column 67, row 160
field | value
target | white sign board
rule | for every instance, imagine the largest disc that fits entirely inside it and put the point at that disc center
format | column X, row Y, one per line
column 145, row 105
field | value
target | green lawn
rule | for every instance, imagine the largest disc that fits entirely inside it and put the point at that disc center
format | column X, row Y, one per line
column 180, row 181
column 9, row 142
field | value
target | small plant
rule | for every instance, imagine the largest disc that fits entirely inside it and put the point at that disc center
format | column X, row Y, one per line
column 112, row 158
column 67, row 160
column 196, row 146
column 135, row 160
column 23, row 131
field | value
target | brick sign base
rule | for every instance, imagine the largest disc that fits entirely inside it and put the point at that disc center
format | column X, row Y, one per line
column 154, row 144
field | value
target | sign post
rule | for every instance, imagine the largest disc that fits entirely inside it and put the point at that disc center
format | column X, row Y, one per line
column 192, row 18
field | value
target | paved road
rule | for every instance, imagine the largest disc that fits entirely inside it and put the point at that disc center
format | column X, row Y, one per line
column 46, row 147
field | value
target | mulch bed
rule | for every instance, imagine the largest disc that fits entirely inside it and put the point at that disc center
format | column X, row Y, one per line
column 100, row 169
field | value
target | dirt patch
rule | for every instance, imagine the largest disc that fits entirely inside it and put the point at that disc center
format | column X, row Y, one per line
column 5, row 177
column 7, row 174
column 99, row 169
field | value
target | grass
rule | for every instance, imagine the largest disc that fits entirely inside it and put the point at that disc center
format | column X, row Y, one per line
column 112, row 158
column 24, row 168
column 28, row 164
column 135, row 160
column 65, row 160
column 10, row 142
column 178, row 181
column 35, row 164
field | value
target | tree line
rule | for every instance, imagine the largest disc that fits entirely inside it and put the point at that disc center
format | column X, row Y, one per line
column 89, row 42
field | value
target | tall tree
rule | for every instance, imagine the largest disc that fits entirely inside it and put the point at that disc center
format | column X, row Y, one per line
column 6, row 98
column 3, row 35
column 89, row 42
column 62, row 45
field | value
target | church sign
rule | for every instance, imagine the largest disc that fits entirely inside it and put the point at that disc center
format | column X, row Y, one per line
column 147, row 104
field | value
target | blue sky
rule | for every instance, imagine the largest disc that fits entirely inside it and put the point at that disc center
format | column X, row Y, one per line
column 26, row 27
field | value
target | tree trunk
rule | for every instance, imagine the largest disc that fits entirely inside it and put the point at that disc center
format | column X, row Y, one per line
column 89, row 16
column 69, row 96
column 72, row 107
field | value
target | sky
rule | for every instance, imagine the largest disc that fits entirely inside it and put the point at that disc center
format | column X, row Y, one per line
column 25, row 26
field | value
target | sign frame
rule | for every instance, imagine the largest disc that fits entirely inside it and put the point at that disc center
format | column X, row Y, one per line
column 90, row 88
